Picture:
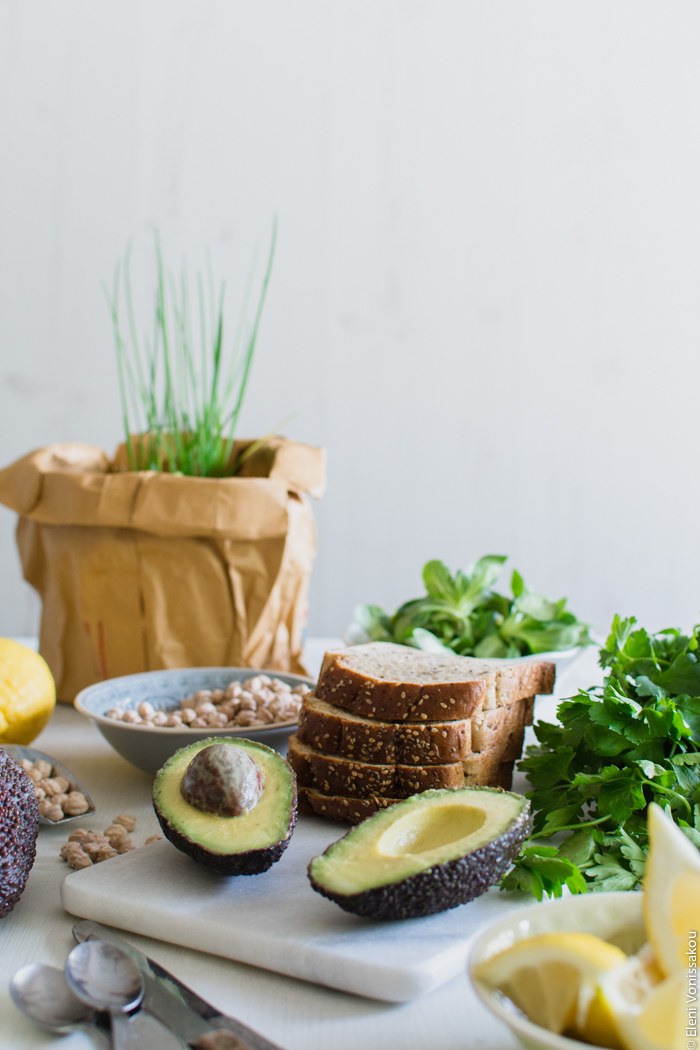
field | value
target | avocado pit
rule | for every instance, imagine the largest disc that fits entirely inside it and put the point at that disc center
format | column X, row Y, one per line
column 223, row 779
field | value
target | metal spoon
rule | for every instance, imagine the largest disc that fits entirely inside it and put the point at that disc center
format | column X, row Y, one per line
column 105, row 977
column 43, row 995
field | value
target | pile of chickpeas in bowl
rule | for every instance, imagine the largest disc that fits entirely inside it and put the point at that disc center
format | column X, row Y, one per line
column 256, row 702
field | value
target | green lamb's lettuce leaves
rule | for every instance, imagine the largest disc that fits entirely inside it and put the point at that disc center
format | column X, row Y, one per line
column 544, row 638
column 465, row 615
column 537, row 607
column 482, row 574
column 438, row 581
column 426, row 640
column 615, row 749
column 492, row 647
column 373, row 621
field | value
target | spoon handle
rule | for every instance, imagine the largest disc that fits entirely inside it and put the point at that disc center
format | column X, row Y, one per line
column 100, row 1035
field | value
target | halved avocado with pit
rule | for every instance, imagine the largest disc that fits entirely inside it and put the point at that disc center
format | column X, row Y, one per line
column 423, row 855
column 246, row 844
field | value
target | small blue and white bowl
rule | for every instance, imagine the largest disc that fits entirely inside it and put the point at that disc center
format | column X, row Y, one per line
column 148, row 746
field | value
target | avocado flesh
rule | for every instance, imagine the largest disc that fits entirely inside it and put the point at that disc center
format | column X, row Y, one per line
column 242, row 845
column 423, row 855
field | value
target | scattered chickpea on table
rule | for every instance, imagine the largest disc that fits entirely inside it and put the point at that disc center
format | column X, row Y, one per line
column 85, row 848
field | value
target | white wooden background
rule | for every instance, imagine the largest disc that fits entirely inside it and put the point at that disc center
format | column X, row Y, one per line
column 486, row 301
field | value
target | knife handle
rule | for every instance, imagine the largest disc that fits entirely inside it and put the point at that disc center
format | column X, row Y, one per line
column 220, row 1040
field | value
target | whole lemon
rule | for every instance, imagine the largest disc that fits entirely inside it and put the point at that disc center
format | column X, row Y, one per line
column 27, row 693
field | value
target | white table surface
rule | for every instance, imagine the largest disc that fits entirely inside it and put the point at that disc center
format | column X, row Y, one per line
column 296, row 1015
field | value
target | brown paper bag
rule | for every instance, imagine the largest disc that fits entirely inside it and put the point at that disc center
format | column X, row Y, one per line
column 141, row 571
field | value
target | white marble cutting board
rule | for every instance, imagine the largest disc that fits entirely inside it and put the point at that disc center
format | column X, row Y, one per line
column 276, row 921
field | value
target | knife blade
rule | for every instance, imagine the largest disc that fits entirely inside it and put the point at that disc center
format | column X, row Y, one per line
column 185, row 1013
column 144, row 1030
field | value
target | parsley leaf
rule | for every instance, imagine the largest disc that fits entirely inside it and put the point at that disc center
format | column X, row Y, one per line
column 615, row 749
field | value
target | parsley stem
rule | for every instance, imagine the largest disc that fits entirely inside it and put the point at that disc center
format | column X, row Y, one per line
column 643, row 659
column 582, row 825
column 668, row 791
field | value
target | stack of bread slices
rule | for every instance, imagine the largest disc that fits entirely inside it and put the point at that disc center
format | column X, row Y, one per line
column 387, row 721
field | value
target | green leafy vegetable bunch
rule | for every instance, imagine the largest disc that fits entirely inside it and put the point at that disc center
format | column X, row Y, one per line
column 181, row 389
column 464, row 614
column 633, row 741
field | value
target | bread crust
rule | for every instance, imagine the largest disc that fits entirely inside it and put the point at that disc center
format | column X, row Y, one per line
column 333, row 729
column 355, row 810
column 390, row 682
column 497, row 742
column 500, row 732
column 337, row 807
column 334, row 775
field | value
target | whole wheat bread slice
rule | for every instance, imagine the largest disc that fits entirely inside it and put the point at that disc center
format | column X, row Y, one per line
column 396, row 683
column 355, row 810
column 335, row 775
column 329, row 728
column 339, row 807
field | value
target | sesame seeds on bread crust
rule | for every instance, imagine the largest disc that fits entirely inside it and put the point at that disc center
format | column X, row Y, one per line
column 339, row 807
column 336, row 775
column 329, row 728
column 390, row 682
column 387, row 721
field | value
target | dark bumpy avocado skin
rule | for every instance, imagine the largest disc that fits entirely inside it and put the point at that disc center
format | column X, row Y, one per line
column 19, row 827
column 252, row 862
column 441, row 887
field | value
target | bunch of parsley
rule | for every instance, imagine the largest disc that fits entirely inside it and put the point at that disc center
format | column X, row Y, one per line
column 464, row 614
column 633, row 741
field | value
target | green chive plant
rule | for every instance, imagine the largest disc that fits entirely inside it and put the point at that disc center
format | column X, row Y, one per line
column 182, row 394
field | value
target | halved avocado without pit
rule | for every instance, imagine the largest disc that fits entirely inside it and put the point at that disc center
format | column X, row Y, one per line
column 429, row 853
column 228, row 803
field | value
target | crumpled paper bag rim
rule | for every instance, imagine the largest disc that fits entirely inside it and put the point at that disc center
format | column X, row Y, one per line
column 76, row 484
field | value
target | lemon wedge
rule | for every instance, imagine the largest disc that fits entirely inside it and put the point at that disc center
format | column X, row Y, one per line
column 647, row 1018
column 671, row 893
column 545, row 975
column 619, row 992
column 27, row 693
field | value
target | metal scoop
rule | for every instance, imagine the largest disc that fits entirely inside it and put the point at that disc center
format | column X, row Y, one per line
column 104, row 976
column 43, row 995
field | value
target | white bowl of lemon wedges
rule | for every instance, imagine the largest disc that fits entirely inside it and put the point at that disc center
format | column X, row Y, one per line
column 614, row 970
